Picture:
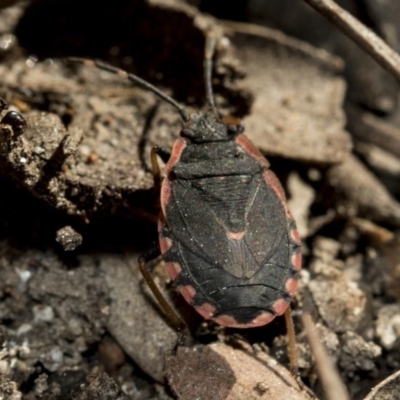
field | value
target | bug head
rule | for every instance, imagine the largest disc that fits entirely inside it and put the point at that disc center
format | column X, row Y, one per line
column 202, row 128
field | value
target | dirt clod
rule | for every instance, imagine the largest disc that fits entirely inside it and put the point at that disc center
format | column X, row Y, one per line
column 68, row 238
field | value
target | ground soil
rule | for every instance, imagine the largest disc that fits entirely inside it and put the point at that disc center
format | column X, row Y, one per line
column 78, row 206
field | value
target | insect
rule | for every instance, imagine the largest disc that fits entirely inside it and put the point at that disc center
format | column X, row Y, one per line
column 12, row 118
column 226, row 235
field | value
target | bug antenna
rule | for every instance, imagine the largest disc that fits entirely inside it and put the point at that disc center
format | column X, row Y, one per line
column 208, row 64
column 132, row 78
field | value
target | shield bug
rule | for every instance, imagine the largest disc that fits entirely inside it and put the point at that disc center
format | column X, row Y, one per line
column 226, row 235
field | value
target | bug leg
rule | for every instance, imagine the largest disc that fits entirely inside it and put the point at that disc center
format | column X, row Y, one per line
column 294, row 364
column 164, row 155
column 291, row 343
column 175, row 320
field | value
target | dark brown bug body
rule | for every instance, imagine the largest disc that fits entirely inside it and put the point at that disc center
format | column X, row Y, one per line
column 226, row 234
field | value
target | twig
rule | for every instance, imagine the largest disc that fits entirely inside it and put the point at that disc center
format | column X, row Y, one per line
column 327, row 372
column 359, row 33
column 374, row 130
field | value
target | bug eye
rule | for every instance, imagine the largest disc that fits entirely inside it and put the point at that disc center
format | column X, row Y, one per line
column 188, row 133
column 232, row 129
column 235, row 129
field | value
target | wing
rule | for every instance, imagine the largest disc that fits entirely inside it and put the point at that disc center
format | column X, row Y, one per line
column 235, row 223
column 232, row 241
